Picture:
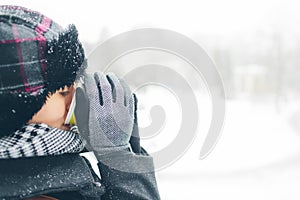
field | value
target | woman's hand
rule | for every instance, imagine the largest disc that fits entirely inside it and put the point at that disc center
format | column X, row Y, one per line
column 104, row 112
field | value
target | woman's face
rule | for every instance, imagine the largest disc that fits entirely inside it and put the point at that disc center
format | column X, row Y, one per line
column 55, row 110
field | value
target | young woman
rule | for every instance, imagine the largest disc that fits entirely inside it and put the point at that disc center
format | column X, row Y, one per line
column 39, row 153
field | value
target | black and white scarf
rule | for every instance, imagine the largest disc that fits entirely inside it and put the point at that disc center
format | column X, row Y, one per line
column 40, row 140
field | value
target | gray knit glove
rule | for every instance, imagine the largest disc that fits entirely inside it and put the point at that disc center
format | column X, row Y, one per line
column 104, row 112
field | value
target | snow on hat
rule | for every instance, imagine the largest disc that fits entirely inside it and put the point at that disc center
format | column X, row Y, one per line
column 37, row 56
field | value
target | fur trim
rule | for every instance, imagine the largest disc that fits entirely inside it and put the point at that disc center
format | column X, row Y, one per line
column 65, row 56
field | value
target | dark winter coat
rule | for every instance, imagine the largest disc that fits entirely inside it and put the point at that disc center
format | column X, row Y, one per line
column 70, row 177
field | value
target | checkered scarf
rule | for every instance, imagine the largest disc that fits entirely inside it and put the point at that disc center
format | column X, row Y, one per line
column 40, row 140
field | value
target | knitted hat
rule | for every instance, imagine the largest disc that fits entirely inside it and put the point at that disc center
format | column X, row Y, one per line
column 37, row 56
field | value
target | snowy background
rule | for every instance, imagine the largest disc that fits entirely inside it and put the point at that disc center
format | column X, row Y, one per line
column 256, row 47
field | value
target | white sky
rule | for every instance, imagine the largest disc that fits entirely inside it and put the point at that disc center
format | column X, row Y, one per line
column 213, row 17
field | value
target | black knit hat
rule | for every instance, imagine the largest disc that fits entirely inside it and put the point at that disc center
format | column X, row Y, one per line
column 37, row 56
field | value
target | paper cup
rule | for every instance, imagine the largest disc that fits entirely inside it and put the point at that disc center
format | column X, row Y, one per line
column 71, row 119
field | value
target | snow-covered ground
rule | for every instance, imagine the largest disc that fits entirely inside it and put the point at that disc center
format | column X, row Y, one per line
column 257, row 157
